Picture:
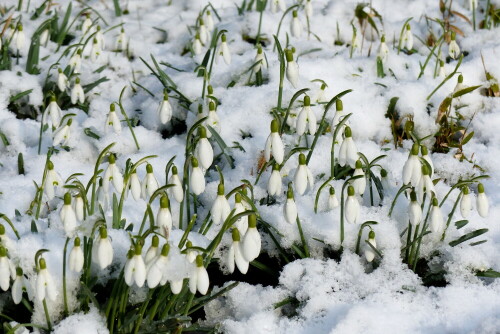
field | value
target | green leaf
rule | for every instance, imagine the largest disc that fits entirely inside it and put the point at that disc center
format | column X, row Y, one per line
column 34, row 229
column 224, row 148
column 461, row 223
column 488, row 273
column 478, row 242
column 20, row 95
column 465, row 91
column 467, row 138
column 468, row 236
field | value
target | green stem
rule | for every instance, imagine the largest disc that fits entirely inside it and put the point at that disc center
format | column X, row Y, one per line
column 66, row 310
column 302, row 238
column 451, row 215
column 47, row 316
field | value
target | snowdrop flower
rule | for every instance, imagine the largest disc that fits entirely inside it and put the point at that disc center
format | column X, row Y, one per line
column 135, row 186
column 453, row 48
column 383, row 50
column 135, row 269
column 369, row 252
column 121, row 41
column 414, row 210
column 308, row 9
column 44, row 283
column 75, row 62
column 351, row 206
column 4, row 238
column 295, row 25
column 175, row 191
column 274, row 184
column 103, row 250
column 425, row 185
column 337, row 118
column 153, row 251
column 54, row 112
column 203, row 151
column 235, row 255
column 460, row 84
column 62, row 80
column 408, row 37
column 292, row 69
column 53, row 181
column 252, row 241
column 77, row 93
column 149, row 183
column 99, row 36
column 95, row 52
column 242, row 223
column 87, row 23
column 465, row 203
column 68, row 215
column 333, row 201
column 197, row 44
column 5, row 269
column 412, row 169
column 482, row 201
column 260, row 59
column 203, row 32
column 212, row 119
column 290, row 208
column 164, row 217
column 359, row 184
column 112, row 174
column 20, row 284
column 355, row 39
column 303, row 176
column 44, row 37
column 103, row 196
column 221, row 208
column 320, row 94
column 386, row 183
column 274, row 145
column 191, row 254
column 157, row 268
column 198, row 279
column 18, row 38
column 196, row 180
column 112, row 121
column 437, row 222
column 62, row 135
column 209, row 21
column 76, row 257
column 442, row 72
column 306, row 119
column 224, row 51
column 79, row 207
column 473, row 4
column 425, row 155
column 278, row 5
column 165, row 110
column 348, row 153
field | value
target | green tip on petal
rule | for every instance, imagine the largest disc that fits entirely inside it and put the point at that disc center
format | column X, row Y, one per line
column 383, row 39
column 174, row 170
column 149, row 168
column 383, row 173
column 53, row 98
column 77, row 242
column 194, row 162
column 347, row 132
column 413, row 196
column 237, row 198
column 220, row 189
column 371, row 235
column 252, row 220
column 103, row 232
column 223, row 38
column 112, row 158
column 441, row 63
column 155, row 242
column 3, row 251
column 259, row 49
column 460, row 78
column 480, row 188
column 435, row 201
column 59, row 70
column 210, row 90
column 2, row 229
column 276, row 166
column 294, row 13
column 165, row 249
column 112, row 107
column 211, row 106
column 425, row 170
column 359, row 165
column 67, row 199
column 19, row 271
column 164, row 202
column 289, row 193
column 339, row 105
column 130, row 253
column 453, row 35
column 43, row 264
column 20, row 27
column 202, row 131
column 414, row 149
column 424, row 150
column 201, row 22
column 189, row 244
column 77, row 81
column 350, row 191
column 302, row 159
column 408, row 27
column 274, row 126
column 70, row 121
column 236, row 234
column 332, row 190
column 50, row 165
column 138, row 249
column 465, row 190
column 289, row 55
column 199, row 261
column 165, row 96
column 307, row 101
column 323, row 86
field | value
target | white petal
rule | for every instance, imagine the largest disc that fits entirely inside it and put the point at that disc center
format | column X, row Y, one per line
column 278, row 149
column 17, row 290
column 203, row 281
column 352, row 209
column 465, row 205
column 300, row 179
column 290, row 211
column 197, row 181
column 230, row 258
column 240, row 260
column 482, row 205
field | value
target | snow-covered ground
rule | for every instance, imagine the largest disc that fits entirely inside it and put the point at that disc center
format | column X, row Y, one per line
column 329, row 296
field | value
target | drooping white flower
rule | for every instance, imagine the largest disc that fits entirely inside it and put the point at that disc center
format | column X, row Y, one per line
column 252, row 242
column 175, row 191
column 197, row 44
column 202, row 30
column 351, row 206
column 359, row 184
column 5, row 240
column 53, row 181
column 369, row 252
column 79, row 207
column 383, row 50
column 164, row 217
column 220, row 209
column 437, row 222
column 295, row 25
column 320, row 94
column 274, row 183
column 303, row 178
column 408, row 38
column 425, row 155
column 68, row 215
column 45, row 287
column 135, row 268
column 274, row 145
column 198, row 279
column 235, row 255
column 196, row 179
column 95, row 51
column 99, row 36
column 306, row 120
column 212, row 119
column 333, row 201
column 209, row 21
column 204, row 151
column 482, row 201
column 277, row 5
column 290, row 208
column 149, row 183
column 465, row 203
column 121, row 41
column 292, row 69
column 54, row 112
column 103, row 196
column 135, row 186
column 242, row 223
column 18, row 39
column 425, row 185
column 165, row 110
column 412, row 169
column 112, row 174
column 62, row 135
column 453, row 48
column 157, row 268
column 5, row 269
column 442, row 72
column 224, row 51
column 260, row 61
column 112, row 121
column 62, row 80
column 414, row 210
column 337, row 118
column 20, row 284
column 384, row 179
column 191, row 253
column 87, row 23
column 76, row 257
column 308, row 9
column 473, row 5
column 153, row 251
column 75, row 62
column 103, row 250
column 77, row 93
column 348, row 153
